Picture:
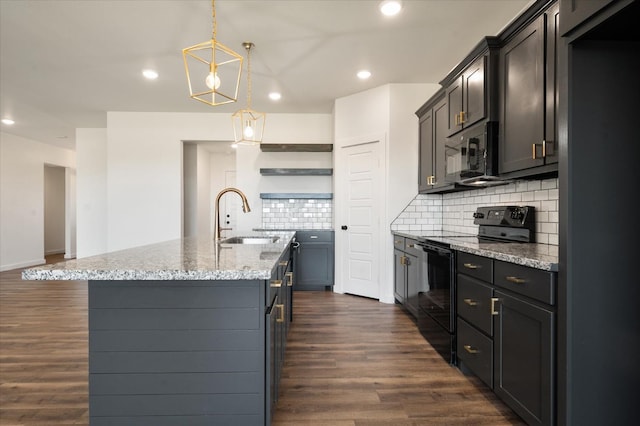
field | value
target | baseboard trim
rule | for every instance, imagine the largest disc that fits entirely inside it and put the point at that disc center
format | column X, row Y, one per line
column 12, row 266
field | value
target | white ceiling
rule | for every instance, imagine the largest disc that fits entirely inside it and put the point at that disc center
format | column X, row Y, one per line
column 64, row 63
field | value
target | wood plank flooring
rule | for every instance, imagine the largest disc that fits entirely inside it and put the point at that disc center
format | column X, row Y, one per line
column 353, row 361
column 350, row 361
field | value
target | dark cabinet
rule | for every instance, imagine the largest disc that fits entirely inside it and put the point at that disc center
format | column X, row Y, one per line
column 575, row 12
column 524, row 358
column 528, row 98
column 314, row 260
column 407, row 284
column 433, row 118
column 466, row 97
column 278, row 318
column 506, row 332
column 399, row 270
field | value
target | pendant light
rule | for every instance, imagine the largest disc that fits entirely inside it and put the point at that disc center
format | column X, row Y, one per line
column 248, row 125
column 213, row 70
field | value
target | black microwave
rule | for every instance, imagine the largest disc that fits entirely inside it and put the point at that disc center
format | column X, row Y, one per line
column 471, row 156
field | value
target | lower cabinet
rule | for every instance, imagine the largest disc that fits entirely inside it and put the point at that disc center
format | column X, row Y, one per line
column 406, row 270
column 506, row 331
column 278, row 318
column 314, row 260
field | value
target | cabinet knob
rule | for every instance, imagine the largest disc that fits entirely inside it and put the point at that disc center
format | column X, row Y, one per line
column 515, row 280
column 276, row 283
column 470, row 266
column 470, row 302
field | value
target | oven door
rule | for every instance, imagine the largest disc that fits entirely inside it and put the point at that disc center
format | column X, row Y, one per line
column 437, row 276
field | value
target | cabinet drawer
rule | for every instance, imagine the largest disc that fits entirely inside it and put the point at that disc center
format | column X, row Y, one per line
column 398, row 242
column 475, row 266
column 474, row 303
column 476, row 351
column 411, row 247
column 535, row 283
column 314, row 236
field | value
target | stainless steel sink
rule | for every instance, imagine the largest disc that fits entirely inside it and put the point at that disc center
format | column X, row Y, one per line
column 249, row 240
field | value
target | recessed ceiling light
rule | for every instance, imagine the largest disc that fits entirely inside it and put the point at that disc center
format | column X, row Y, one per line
column 150, row 74
column 364, row 74
column 275, row 96
column 390, row 7
column 8, row 121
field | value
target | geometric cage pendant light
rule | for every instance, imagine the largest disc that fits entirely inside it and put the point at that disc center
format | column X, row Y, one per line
column 213, row 70
column 248, row 125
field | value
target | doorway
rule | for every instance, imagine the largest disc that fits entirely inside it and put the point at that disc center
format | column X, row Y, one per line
column 208, row 167
column 54, row 210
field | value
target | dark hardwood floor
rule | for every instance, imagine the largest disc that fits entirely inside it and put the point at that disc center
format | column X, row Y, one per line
column 350, row 361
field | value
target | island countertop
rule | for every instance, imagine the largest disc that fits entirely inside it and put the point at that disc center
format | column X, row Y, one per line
column 193, row 258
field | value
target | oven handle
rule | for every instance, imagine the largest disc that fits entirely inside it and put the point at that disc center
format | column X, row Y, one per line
column 438, row 250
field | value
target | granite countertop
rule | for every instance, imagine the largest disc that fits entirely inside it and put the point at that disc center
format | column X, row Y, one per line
column 534, row 255
column 181, row 259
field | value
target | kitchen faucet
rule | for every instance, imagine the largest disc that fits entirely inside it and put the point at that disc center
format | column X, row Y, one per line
column 245, row 208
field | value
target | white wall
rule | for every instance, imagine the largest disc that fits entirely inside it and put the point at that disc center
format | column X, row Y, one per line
column 22, row 198
column 388, row 111
column 190, row 190
column 91, row 196
column 54, row 208
column 144, row 169
column 222, row 172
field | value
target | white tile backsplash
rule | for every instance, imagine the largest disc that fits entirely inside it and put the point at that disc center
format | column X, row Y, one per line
column 297, row 213
column 453, row 212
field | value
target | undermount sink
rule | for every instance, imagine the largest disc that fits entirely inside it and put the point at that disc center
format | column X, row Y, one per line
column 249, row 240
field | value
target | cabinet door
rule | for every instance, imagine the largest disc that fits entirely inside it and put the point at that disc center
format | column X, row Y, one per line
column 552, row 23
column 273, row 369
column 522, row 67
column 426, row 152
column 440, row 117
column 524, row 358
column 454, row 106
column 314, row 265
column 413, row 285
column 400, row 283
column 474, row 93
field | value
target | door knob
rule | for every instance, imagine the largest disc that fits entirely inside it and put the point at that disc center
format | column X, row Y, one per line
column 344, row 227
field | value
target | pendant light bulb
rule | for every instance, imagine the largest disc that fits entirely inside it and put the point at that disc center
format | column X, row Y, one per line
column 248, row 131
column 212, row 81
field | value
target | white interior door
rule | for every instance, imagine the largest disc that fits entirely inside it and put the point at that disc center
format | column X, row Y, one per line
column 360, row 272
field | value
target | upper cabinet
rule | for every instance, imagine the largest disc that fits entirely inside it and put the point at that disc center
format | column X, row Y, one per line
column 433, row 119
column 574, row 12
column 528, row 98
column 469, row 87
column 510, row 78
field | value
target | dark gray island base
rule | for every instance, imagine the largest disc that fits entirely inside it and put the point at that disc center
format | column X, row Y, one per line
column 186, row 332
column 177, row 352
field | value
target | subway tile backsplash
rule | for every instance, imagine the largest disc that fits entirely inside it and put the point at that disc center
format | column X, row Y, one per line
column 453, row 212
column 296, row 213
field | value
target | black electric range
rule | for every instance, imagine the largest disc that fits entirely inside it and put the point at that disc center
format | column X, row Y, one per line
column 437, row 274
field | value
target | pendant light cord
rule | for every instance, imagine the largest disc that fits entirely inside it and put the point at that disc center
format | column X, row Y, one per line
column 249, row 75
column 213, row 20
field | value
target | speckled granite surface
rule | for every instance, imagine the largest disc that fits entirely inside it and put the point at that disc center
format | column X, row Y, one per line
column 539, row 256
column 183, row 259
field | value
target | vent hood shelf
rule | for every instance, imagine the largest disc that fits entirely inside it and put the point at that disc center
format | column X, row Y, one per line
column 296, row 172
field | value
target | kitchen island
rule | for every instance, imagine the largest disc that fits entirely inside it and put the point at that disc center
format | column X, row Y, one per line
column 184, row 332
